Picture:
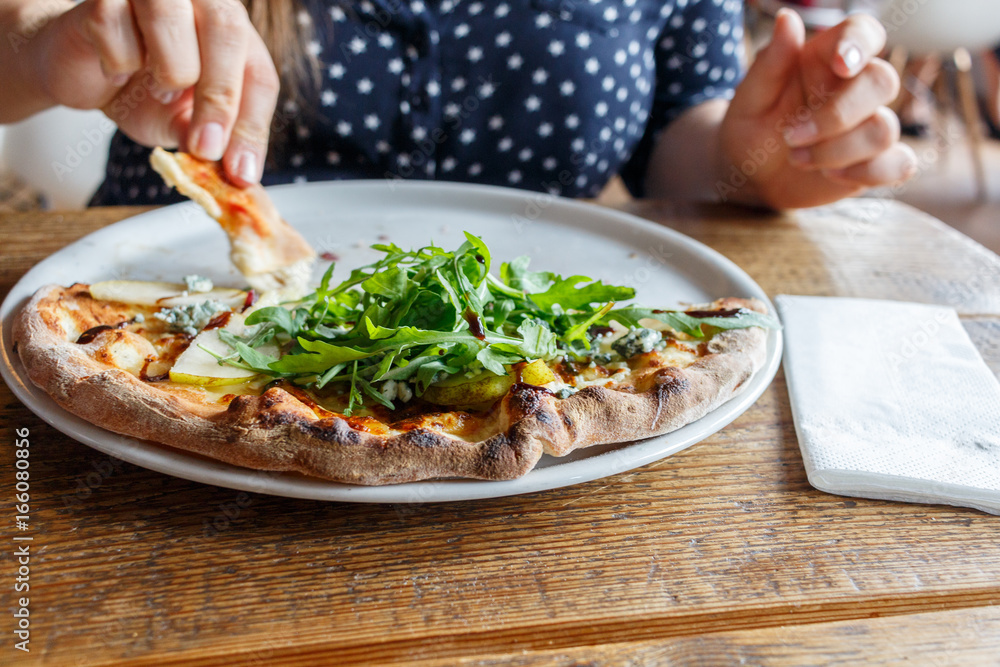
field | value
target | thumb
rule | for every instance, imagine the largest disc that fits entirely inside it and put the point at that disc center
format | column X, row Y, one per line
column 775, row 64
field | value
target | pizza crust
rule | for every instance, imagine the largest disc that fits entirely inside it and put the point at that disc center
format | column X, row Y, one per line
column 276, row 431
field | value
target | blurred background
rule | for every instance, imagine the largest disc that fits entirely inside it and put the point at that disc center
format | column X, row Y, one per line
column 949, row 108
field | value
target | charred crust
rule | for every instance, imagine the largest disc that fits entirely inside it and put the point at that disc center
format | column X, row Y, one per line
column 424, row 438
column 345, row 433
column 326, row 430
column 496, row 452
column 671, row 384
column 273, row 397
column 569, row 424
column 272, row 418
column 239, row 404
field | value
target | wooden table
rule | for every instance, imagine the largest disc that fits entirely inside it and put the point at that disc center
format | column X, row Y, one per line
column 717, row 555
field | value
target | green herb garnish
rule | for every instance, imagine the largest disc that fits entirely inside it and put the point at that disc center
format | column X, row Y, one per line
column 421, row 316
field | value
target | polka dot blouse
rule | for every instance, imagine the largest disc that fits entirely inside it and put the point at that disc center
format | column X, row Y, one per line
column 546, row 95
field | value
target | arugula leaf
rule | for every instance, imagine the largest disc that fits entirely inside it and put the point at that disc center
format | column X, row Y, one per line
column 494, row 360
column 579, row 331
column 570, row 297
column 319, row 357
column 516, row 275
column 373, row 393
column 538, row 342
column 390, row 283
column 481, row 250
column 354, row 395
column 288, row 321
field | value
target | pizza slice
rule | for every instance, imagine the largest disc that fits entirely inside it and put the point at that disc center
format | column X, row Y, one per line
column 268, row 251
column 425, row 364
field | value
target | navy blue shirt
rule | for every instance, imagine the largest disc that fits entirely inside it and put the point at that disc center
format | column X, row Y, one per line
column 546, row 95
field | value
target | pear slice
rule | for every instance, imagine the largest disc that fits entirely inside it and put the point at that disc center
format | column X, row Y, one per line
column 226, row 295
column 167, row 295
column 537, row 373
column 136, row 292
column 197, row 366
column 482, row 388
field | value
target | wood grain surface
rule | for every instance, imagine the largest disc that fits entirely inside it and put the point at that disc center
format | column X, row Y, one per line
column 720, row 554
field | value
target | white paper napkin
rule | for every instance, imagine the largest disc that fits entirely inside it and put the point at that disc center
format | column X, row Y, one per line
column 892, row 401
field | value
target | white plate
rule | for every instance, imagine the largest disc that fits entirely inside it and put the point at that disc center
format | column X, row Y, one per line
column 665, row 267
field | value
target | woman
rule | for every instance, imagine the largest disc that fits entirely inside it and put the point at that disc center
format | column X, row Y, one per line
column 554, row 95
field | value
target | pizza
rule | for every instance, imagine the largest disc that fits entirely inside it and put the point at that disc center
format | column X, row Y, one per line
column 428, row 363
column 268, row 251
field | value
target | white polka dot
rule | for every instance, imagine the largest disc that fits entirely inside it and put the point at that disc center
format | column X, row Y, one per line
column 357, row 45
column 487, row 89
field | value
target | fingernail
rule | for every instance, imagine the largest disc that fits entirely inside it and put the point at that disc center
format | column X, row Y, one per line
column 246, row 167
column 209, row 142
column 167, row 97
column 801, row 134
column 799, row 156
column 851, row 55
column 120, row 80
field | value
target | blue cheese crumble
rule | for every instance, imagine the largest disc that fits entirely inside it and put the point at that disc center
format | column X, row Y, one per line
column 198, row 284
column 637, row 341
column 192, row 318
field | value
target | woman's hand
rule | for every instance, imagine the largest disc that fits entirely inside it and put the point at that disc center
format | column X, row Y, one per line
column 808, row 124
column 188, row 73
